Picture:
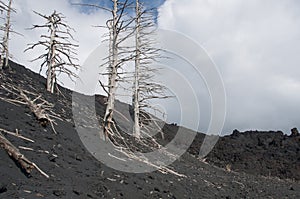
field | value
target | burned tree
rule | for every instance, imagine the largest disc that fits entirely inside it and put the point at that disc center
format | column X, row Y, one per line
column 6, row 28
column 136, row 94
column 146, row 54
column 123, row 27
column 119, row 31
column 60, row 55
column 115, row 26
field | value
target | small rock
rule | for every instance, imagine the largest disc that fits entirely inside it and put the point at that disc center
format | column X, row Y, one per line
column 78, row 158
column 3, row 188
column 235, row 132
column 76, row 192
column 150, row 177
column 52, row 158
column 90, row 195
column 156, row 189
column 295, row 132
column 59, row 193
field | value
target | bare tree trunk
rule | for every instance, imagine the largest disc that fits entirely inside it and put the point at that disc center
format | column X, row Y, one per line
column 7, row 33
column 145, row 88
column 110, row 26
column 1, row 62
column 51, row 61
column 5, row 52
column 108, row 117
column 136, row 128
column 49, row 78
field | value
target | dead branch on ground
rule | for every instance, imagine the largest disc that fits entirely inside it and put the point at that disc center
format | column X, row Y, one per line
column 17, row 134
column 15, row 154
column 41, row 108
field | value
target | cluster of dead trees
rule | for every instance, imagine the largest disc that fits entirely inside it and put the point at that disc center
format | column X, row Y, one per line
column 59, row 57
column 130, row 21
column 123, row 26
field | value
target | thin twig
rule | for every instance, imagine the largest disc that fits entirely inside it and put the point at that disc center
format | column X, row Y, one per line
column 17, row 135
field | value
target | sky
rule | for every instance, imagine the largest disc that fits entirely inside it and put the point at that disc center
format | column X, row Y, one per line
column 254, row 44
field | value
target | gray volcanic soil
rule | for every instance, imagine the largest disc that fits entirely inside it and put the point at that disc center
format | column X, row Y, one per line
column 75, row 173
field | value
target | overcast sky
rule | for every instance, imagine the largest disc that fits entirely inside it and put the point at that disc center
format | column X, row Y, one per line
column 254, row 44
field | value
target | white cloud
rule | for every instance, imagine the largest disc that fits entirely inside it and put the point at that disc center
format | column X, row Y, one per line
column 256, row 46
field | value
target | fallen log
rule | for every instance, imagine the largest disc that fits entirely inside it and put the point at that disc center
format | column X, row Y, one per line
column 15, row 154
column 40, row 108
column 37, row 109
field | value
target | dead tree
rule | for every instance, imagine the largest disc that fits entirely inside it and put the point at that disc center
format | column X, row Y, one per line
column 6, row 28
column 136, row 94
column 146, row 54
column 119, row 31
column 60, row 55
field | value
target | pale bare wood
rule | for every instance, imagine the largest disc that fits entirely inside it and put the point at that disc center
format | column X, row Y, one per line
column 26, row 148
column 42, row 110
column 117, row 26
column 136, row 86
column 17, row 134
column 7, row 30
column 145, row 88
column 120, row 29
column 60, row 55
column 14, row 153
column 37, row 109
column 162, row 169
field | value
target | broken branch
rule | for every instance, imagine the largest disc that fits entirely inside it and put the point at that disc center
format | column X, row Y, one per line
column 15, row 154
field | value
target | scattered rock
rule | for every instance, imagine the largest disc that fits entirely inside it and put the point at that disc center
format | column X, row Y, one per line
column 156, row 189
column 3, row 188
column 76, row 192
column 59, row 193
column 78, row 158
column 295, row 132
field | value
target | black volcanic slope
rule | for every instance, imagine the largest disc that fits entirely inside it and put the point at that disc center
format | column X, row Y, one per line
column 75, row 173
column 264, row 153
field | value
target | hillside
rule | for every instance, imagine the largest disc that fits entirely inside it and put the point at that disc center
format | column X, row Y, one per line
column 75, row 173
